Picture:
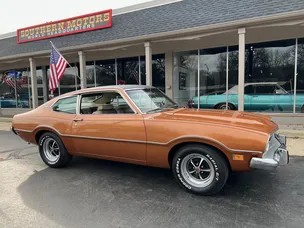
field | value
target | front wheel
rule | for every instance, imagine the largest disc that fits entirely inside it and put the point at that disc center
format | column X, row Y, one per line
column 52, row 151
column 223, row 106
column 200, row 169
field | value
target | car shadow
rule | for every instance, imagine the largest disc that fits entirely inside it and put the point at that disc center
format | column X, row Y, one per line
column 99, row 193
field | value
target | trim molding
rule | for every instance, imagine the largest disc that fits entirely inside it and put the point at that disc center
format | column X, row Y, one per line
column 143, row 142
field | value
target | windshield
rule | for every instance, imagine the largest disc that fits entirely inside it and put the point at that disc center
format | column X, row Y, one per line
column 151, row 100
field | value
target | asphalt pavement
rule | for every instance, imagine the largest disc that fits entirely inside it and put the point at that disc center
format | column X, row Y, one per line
column 104, row 194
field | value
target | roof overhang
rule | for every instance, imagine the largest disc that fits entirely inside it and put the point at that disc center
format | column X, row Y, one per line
column 279, row 20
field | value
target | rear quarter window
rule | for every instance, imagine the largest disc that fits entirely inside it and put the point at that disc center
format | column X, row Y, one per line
column 66, row 105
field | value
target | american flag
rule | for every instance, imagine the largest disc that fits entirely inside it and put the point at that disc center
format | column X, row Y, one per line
column 10, row 82
column 134, row 73
column 58, row 65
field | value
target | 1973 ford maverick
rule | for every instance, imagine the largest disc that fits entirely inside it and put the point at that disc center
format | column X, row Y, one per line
column 141, row 125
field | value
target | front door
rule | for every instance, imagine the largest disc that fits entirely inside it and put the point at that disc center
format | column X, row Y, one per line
column 108, row 127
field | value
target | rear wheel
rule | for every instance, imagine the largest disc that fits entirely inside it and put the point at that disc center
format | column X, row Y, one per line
column 200, row 169
column 52, row 151
column 223, row 106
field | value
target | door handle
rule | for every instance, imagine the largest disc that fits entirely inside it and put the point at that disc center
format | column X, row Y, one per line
column 76, row 120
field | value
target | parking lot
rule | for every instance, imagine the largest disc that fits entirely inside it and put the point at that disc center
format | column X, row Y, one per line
column 97, row 193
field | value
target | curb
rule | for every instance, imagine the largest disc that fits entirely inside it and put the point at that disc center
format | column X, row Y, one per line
column 292, row 133
column 6, row 120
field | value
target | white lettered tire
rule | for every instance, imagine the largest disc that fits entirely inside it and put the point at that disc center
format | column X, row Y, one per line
column 200, row 169
column 52, row 151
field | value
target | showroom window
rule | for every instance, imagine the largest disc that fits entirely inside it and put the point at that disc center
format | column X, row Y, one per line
column 14, row 89
column 90, row 74
column 158, row 71
column 270, row 77
column 39, row 85
column 299, row 104
column 270, row 70
column 128, row 71
column 105, row 72
column 70, row 80
column 212, row 77
column 131, row 70
column 185, row 79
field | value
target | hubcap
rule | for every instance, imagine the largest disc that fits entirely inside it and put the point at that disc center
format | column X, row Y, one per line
column 224, row 107
column 197, row 170
column 51, row 150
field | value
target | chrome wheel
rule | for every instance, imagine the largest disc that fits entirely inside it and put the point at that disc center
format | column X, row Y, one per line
column 223, row 106
column 51, row 150
column 197, row 170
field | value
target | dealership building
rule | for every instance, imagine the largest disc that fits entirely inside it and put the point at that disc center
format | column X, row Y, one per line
column 243, row 55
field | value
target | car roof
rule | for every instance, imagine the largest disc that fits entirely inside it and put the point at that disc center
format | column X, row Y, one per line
column 261, row 83
column 108, row 87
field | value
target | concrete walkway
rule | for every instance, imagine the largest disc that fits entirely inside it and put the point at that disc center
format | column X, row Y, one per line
column 5, row 126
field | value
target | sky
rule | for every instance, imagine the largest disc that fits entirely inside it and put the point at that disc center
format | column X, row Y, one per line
column 19, row 14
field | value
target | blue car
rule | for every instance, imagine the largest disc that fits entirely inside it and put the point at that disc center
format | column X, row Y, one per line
column 11, row 103
column 259, row 96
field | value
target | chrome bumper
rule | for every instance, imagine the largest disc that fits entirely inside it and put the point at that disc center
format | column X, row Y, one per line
column 13, row 130
column 274, row 158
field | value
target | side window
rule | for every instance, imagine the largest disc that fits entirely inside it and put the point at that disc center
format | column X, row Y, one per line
column 249, row 89
column 104, row 103
column 66, row 105
column 265, row 89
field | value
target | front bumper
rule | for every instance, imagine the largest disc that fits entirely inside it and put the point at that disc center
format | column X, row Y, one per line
column 277, row 155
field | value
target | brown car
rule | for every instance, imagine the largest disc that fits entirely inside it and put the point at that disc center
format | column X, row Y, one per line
column 141, row 125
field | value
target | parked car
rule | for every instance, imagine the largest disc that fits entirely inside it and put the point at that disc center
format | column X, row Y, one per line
column 141, row 125
column 11, row 103
column 259, row 96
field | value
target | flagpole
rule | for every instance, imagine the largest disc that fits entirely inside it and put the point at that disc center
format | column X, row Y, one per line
column 16, row 92
column 75, row 71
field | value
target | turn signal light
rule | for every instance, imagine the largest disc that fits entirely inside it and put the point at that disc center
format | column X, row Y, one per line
column 238, row 157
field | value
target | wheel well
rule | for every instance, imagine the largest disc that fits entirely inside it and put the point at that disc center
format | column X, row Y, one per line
column 39, row 133
column 178, row 146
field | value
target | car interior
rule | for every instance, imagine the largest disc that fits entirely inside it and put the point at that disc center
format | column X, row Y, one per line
column 104, row 103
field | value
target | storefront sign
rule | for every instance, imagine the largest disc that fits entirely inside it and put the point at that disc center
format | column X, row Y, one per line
column 98, row 20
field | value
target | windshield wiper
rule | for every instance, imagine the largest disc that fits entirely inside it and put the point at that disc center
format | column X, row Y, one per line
column 163, row 108
column 174, row 106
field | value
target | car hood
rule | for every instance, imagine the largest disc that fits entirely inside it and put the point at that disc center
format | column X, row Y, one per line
column 250, row 121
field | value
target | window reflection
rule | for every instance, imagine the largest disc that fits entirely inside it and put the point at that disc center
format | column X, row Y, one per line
column 105, row 72
column 158, row 72
column 39, row 85
column 69, row 81
column 300, row 77
column 269, row 75
column 7, row 90
column 213, row 78
column 90, row 74
column 128, row 70
column 185, row 77
column 233, row 77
